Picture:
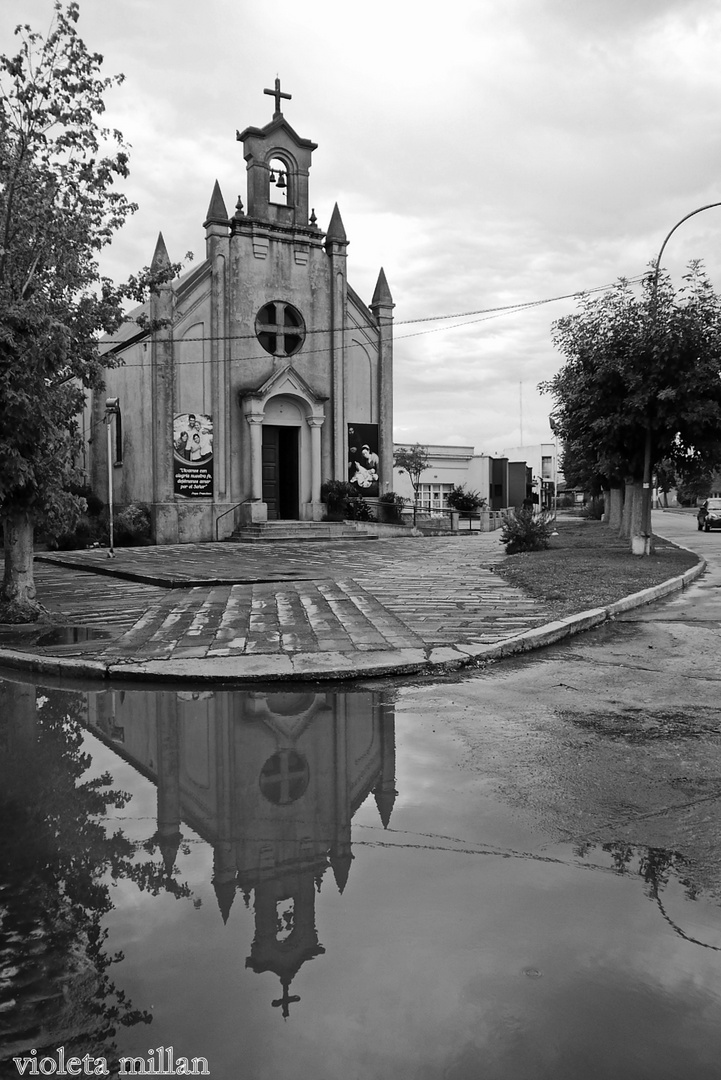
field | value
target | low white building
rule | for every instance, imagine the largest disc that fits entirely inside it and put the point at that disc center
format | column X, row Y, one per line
column 501, row 481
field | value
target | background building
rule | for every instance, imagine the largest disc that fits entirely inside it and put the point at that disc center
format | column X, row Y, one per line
column 518, row 474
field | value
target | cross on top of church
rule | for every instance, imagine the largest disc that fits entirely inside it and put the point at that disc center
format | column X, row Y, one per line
column 277, row 94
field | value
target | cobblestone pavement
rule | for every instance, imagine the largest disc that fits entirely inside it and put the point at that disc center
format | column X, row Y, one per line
column 287, row 610
column 283, row 598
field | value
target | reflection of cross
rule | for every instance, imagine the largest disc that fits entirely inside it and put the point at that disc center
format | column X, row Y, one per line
column 285, row 1001
column 277, row 94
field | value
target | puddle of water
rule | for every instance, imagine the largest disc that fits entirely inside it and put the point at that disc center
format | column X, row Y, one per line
column 306, row 884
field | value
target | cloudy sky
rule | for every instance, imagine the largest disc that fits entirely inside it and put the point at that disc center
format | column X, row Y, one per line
column 484, row 152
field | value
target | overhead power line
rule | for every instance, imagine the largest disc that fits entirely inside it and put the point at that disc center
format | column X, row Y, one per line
column 481, row 315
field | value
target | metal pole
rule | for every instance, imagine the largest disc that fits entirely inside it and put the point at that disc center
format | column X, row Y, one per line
column 646, row 492
column 108, row 420
column 111, row 408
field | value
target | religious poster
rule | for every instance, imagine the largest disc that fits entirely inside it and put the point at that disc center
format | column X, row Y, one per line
column 193, row 464
column 363, row 458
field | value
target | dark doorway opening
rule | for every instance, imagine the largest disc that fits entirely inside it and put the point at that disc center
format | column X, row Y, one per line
column 280, row 472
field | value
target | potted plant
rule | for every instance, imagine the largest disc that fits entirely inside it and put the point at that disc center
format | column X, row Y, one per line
column 466, row 502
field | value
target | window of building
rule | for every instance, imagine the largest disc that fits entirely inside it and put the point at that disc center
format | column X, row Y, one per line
column 547, row 468
column 433, row 496
column 279, row 328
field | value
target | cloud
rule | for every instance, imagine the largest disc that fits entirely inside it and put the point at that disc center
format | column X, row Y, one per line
column 499, row 154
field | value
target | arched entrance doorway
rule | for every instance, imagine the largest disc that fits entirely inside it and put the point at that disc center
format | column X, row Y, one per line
column 280, row 471
column 284, row 418
column 282, row 456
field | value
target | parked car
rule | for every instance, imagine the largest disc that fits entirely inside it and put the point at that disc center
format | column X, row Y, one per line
column 709, row 515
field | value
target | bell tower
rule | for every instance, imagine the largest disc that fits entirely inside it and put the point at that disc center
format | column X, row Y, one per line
column 278, row 166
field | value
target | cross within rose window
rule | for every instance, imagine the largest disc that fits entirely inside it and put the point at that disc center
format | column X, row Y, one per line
column 279, row 328
column 284, row 777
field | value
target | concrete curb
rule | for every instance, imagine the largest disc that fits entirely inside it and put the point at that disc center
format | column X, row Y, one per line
column 321, row 666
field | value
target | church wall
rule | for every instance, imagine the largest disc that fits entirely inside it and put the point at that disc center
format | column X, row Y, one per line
column 192, row 370
column 361, row 401
column 361, row 390
column 255, row 282
column 131, row 383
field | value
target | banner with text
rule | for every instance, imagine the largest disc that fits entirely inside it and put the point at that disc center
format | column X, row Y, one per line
column 193, row 464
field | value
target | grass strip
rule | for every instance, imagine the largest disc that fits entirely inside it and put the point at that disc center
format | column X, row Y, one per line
column 588, row 566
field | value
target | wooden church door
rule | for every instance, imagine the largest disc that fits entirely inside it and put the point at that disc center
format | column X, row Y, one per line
column 280, row 472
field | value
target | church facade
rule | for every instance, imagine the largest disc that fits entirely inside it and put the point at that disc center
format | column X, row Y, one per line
column 262, row 373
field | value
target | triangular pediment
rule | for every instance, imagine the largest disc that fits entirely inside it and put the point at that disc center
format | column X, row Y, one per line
column 276, row 126
column 287, row 381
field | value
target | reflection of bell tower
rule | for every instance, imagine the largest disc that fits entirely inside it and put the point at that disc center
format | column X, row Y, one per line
column 285, row 932
column 327, row 752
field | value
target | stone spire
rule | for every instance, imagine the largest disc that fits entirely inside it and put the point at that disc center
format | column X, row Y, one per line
column 382, row 294
column 336, row 232
column 217, row 213
column 161, row 259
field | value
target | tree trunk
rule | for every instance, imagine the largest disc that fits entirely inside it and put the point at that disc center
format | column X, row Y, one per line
column 615, row 511
column 639, row 532
column 624, row 530
column 17, row 595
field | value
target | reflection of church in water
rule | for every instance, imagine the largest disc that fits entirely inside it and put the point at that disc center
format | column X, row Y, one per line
column 272, row 781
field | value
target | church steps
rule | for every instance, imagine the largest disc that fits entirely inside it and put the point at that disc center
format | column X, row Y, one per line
column 299, row 531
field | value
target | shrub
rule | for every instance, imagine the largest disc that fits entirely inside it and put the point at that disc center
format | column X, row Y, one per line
column 131, row 526
column 522, row 531
column 391, row 507
column 335, row 494
column 357, row 509
column 87, row 532
column 594, row 508
column 89, row 529
column 466, row 501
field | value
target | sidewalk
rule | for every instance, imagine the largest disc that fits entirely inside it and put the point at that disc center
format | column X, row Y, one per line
column 286, row 610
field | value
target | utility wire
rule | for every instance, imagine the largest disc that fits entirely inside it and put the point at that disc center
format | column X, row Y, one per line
column 485, row 315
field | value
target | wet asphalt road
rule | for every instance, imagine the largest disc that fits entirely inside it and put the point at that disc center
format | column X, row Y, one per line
column 610, row 736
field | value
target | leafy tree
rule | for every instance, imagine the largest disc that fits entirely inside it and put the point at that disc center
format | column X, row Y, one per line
column 693, row 485
column 59, row 862
column 665, row 478
column 460, row 498
column 641, row 382
column 59, row 208
column 413, row 460
column 580, row 470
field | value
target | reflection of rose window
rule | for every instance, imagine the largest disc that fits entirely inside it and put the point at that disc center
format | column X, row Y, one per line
column 279, row 328
column 284, row 777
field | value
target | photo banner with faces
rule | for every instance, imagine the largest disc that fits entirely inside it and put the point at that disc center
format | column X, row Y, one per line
column 193, row 456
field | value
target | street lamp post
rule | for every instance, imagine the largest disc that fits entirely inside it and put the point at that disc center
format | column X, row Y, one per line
column 642, row 545
column 112, row 408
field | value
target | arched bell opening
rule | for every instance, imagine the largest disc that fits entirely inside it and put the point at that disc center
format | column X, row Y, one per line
column 279, row 182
